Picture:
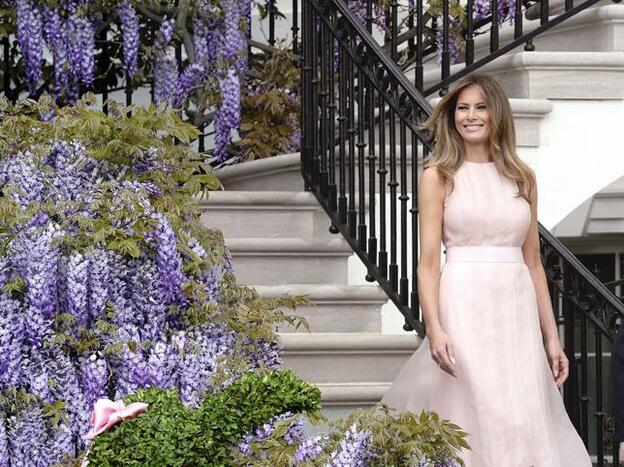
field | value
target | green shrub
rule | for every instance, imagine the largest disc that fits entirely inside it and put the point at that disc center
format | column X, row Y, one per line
column 170, row 434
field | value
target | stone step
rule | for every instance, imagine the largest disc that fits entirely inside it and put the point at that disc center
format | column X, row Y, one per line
column 347, row 357
column 264, row 214
column 596, row 29
column 335, row 308
column 274, row 261
column 556, row 7
column 352, row 394
column 279, row 173
column 555, row 75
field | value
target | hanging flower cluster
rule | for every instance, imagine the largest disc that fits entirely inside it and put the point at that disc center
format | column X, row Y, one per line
column 207, row 74
column 68, row 33
column 104, row 290
column 506, row 10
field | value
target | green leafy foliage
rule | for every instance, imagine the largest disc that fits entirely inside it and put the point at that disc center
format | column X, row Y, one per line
column 270, row 107
column 170, row 434
column 397, row 440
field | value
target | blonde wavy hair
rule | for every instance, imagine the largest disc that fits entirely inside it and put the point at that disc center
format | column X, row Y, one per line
column 448, row 151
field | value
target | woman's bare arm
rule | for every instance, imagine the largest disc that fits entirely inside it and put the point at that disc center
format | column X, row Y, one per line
column 530, row 250
column 431, row 194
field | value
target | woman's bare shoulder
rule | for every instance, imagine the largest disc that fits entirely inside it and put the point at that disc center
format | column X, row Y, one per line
column 431, row 182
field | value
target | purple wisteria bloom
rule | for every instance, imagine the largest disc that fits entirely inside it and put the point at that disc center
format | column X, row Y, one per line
column 506, row 9
column 40, row 277
column 130, row 29
column 30, row 40
column 310, row 449
column 191, row 77
column 77, row 280
column 169, row 263
column 202, row 35
column 270, row 355
column 98, row 277
column 54, row 36
column 165, row 34
column 165, row 73
column 20, row 173
column 162, row 365
column 66, row 387
column 228, row 114
column 28, row 435
column 204, row 348
column 94, row 376
column 11, row 335
column 165, row 66
column 294, row 434
column 130, row 368
column 80, row 42
column 354, row 449
column 454, row 42
column 4, row 442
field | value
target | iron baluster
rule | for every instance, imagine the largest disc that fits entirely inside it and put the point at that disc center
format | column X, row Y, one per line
column 544, row 11
column 314, row 110
column 518, row 19
column 331, row 129
column 383, row 254
column 324, row 141
column 419, row 70
column 393, row 268
column 271, row 4
column 470, row 32
column 351, row 131
column 6, row 72
column 342, row 129
column 494, row 25
column 585, row 396
column 403, row 198
column 372, row 205
column 361, row 150
column 446, row 55
column 599, row 413
column 295, row 26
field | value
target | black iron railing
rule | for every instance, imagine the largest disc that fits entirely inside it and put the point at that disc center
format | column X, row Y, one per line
column 470, row 30
column 588, row 315
column 361, row 152
column 353, row 91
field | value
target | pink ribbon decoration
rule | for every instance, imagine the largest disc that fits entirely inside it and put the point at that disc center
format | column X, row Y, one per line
column 107, row 414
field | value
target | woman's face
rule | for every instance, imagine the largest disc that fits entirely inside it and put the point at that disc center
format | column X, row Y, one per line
column 472, row 115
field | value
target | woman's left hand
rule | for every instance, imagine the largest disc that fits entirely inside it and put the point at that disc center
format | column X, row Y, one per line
column 558, row 361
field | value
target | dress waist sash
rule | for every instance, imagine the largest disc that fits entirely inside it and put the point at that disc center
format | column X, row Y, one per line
column 484, row 254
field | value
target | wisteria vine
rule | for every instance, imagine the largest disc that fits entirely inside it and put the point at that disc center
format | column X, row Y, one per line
column 81, row 319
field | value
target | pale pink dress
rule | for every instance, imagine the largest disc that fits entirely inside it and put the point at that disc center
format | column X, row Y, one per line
column 504, row 395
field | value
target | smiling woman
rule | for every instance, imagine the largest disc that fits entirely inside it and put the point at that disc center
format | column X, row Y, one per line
column 495, row 358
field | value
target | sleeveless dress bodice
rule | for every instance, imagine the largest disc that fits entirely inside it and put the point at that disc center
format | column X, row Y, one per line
column 484, row 209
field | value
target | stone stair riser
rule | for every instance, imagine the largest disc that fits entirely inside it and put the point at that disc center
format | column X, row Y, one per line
column 345, row 366
column 270, row 268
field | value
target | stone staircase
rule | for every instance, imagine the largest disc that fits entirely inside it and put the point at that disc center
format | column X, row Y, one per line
column 278, row 234
column 280, row 244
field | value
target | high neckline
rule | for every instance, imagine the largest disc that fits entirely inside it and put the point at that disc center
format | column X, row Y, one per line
column 478, row 163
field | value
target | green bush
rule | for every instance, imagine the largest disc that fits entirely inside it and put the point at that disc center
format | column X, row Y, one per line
column 170, row 434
